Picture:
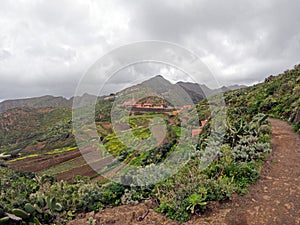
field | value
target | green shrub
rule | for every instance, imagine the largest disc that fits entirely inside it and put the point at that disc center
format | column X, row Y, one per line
column 248, row 149
column 297, row 127
column 111, row 194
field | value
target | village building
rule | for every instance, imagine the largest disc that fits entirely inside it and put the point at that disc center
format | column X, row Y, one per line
column 196, row 132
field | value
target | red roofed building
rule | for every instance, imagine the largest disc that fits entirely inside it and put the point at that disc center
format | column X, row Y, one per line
column 148, row 104
column 186, row 106
column 138, row 105
column 196, row 132
column 203, row 122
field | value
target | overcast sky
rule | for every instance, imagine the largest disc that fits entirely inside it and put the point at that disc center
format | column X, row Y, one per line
column 46, row 46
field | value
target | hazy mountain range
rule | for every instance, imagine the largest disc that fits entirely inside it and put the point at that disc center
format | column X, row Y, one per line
column 196, row 92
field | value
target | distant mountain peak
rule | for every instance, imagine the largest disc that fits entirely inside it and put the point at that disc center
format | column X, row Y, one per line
column 158, row 83
column 158, row 78
column 36, row 102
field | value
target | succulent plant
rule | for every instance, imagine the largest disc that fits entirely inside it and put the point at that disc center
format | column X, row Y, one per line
column 91, row 221
column 4, row 220
column 43, row 209
column 29, row 208
column 21, row 213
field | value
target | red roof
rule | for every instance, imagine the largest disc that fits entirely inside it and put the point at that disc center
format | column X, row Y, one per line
column 196, row 132
column 203, row 122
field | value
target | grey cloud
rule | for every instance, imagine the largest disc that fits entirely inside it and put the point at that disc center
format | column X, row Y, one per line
column 235, row 32
column 4, row 54
column 46, row 46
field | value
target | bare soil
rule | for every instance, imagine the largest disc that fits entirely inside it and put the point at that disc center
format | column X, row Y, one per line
column 36, row 147
column 74, row 157
column 273, row 199
column 84, row 170
column 43, row 161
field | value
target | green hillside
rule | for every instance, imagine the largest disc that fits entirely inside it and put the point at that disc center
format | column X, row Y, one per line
column 235, row 159
column 24, row 127
column 278, row 96
column 37, row 102
column 34, row 130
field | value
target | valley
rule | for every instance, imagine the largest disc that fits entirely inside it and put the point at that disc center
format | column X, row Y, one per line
column 41, row 159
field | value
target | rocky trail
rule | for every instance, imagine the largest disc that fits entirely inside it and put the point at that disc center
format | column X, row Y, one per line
column 273, row 199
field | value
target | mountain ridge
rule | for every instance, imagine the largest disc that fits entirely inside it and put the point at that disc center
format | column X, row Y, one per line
column 197, row 92
column 35, row 102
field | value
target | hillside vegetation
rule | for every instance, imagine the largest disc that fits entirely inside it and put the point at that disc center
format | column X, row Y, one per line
column 278, row 96
column 24, row 127
column 235, row 159
column 190, row 191
column 38, row 102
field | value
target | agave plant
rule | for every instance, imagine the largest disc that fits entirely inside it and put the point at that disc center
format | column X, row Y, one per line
column 198, row 199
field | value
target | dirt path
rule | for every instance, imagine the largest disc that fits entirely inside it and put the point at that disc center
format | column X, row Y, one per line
column 273, row 199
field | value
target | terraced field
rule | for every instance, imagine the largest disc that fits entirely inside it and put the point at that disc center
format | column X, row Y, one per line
column 62, row 165
column 68, row 162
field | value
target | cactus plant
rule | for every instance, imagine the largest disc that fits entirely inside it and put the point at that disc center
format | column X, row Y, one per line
column 29, row 208
column 37, row 208
column 52, row 205
column 4, row 220
column 43, row 209
column 36, row 221
column 20, row 213
column 41, row 201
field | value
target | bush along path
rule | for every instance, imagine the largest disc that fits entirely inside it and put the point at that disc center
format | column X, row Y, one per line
column 273, row 199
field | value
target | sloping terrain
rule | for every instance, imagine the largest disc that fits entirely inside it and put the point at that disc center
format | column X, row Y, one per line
column 278, row 96
column 182, row 92
column 38, row 102
column 21, row 128
column 273, row 199
column 190, row 192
